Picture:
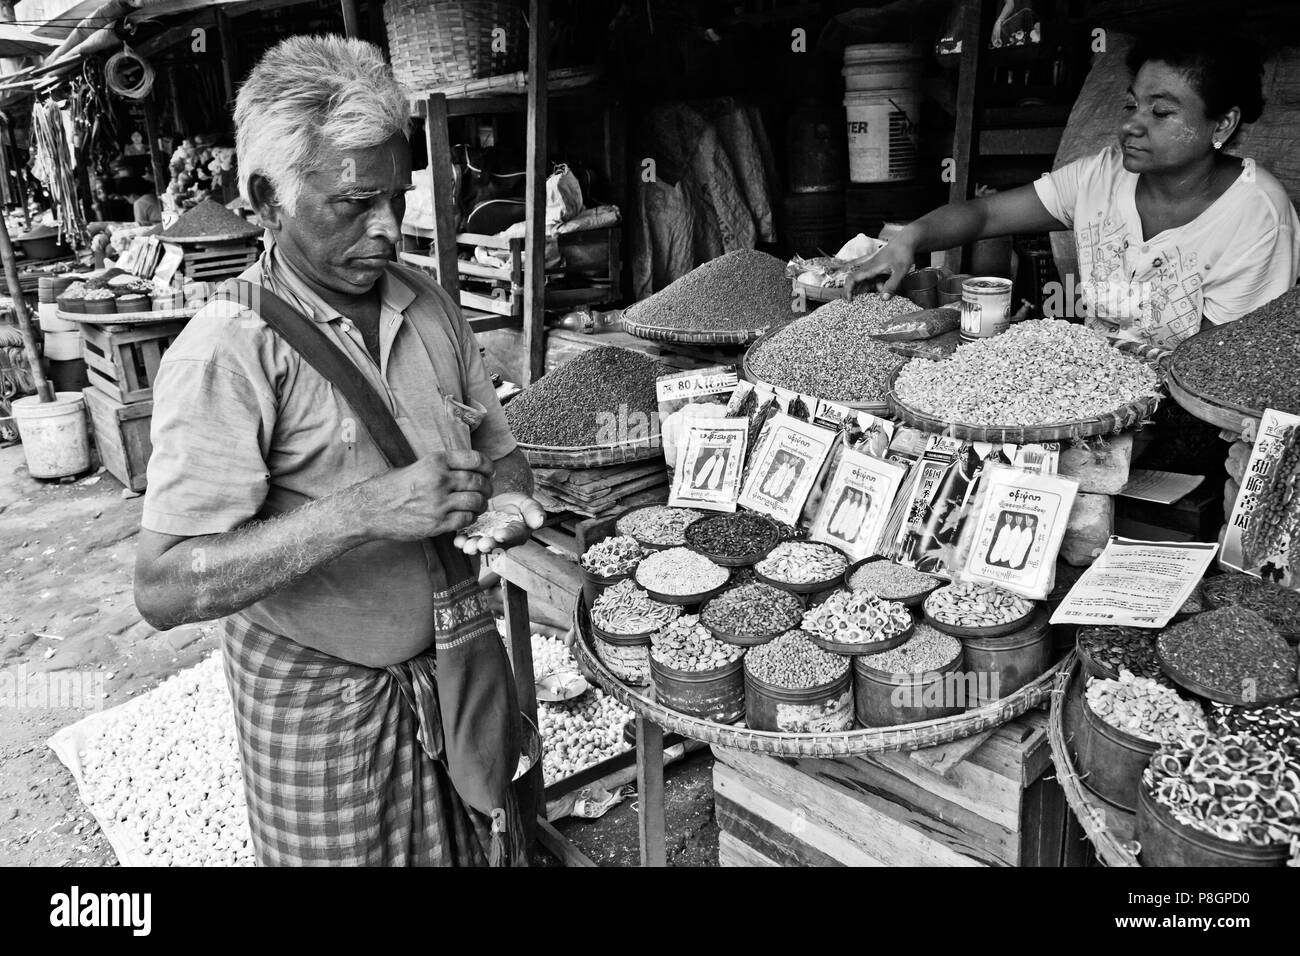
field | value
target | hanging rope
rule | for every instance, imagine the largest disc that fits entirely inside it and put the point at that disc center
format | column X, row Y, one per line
column 119, row 74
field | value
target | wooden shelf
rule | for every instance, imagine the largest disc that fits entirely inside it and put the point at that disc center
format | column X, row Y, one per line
column 506, row 92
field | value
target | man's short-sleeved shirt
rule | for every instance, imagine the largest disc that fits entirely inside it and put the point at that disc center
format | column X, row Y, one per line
column 244, row 429
column 1238, row 254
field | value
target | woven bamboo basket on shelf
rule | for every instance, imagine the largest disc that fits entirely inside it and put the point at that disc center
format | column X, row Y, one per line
column 434, row 42
column 1121, row 419
column 727, row 337
column 848, row 743
column 592, row 456
column 1100, row 821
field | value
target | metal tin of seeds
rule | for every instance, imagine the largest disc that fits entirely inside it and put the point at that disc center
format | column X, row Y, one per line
column 863, row 648
column 755, row 537
column 912, row 600
column 985, row 307
column 809, row 587
column 629, row 523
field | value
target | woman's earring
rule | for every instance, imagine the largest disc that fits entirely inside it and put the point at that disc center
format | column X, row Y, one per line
column 1218, row 145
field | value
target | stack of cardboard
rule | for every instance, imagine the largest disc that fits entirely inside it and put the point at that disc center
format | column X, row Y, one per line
column 595, row 492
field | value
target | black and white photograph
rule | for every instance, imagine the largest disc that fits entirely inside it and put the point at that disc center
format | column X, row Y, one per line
column 564, row 434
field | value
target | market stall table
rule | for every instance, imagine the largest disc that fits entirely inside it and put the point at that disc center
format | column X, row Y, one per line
column 536, row 570
column 943, row 743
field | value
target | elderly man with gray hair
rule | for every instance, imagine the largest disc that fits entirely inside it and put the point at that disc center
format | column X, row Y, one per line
column 322, row 434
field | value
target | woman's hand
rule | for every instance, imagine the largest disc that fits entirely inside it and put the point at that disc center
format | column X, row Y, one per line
column 892, row 263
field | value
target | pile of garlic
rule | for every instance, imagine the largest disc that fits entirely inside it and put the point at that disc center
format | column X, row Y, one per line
column 166, row 771
column 582, row 732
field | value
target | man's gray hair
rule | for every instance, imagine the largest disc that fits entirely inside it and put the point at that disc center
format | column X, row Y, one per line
column 306, row 93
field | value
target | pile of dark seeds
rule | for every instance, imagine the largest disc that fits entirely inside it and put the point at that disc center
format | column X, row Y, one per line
column 745, row 289
column 1250, row 362
column 582, row 402
column 1132, row 649
column 1233, row 651
column 733, row 535
column 753, row 610
column 210, row 218
column 1278, row 605
column 830, row 357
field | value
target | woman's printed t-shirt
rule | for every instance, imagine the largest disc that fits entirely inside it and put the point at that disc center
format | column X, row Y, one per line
column 1235, row 256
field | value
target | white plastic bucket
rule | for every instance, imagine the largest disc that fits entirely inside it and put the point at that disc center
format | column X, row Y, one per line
column 50, row 321
column 55, row 437
column 63, row 346
column 882, row 102
column 882, row 127
column 881, row 66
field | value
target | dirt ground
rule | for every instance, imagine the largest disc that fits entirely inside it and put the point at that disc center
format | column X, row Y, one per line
column 68, row 624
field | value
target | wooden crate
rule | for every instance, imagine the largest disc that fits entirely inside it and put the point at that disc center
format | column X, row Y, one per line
column 592, row 254
column 993, row 805
column 121, row 435
column 213, row 261
column 123, row 360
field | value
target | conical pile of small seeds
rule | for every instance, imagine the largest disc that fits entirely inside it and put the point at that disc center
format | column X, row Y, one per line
column 603, row 395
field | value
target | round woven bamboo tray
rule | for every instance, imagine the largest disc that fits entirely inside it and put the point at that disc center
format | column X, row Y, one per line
column 1103, row 823
column 250, row 237
column 728, row 337
column 127, row 318
column 1217, row 412
column 1117, row 421
column 930, row 733
column 592, row 456
column 879, row 409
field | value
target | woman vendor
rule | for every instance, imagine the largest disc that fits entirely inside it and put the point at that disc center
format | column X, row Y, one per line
column 1173, row 233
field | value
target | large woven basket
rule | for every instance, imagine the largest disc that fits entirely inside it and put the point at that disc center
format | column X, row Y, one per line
column 1109, row 829
column 845, row 743
column 434, row 42
column 1122, row 419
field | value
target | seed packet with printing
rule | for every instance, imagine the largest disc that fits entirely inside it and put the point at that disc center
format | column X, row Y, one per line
column 683, row 396
column 856, row 504
column 710, row 463
column 1015, row 535
column 855, row 430
column 784, row 466
column 755, row 403
column 933, row 507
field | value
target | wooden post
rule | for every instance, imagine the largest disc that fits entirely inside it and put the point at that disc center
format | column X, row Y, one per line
column 22, row 184
column 444, row 193
column 229, row 65
column 535, row 193
column 160, row 176
column 350, row 19
column 5, row 190
column 650, row 790
column 965, row 133
column 44, row 390
column 178, row 115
